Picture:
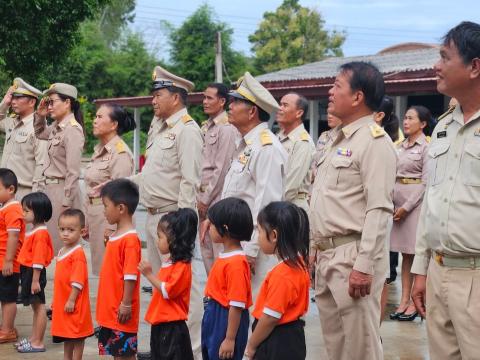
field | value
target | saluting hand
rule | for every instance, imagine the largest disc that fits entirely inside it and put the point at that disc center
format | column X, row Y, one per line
column 359, row 284
column 42, row 109
column 7, row 99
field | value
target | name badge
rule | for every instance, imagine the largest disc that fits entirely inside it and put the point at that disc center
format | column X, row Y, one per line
column 441, row 134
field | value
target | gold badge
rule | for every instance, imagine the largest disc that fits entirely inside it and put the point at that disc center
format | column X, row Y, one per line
column 376, row 131
column 265, row 138
column 154, row 75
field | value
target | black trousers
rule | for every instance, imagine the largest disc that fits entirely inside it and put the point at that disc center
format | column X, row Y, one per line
column 286, row 342
column 171, row 341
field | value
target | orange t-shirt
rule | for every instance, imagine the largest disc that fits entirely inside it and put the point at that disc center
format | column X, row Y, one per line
column 229, row 281
column 37, row 249
column 283, row 294
column 120, row 262
column 171, row 304
column 11, row 219
column 71, row 270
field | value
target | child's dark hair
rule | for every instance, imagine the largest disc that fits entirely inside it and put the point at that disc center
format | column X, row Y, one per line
column 181, row 229
column 40, row 205
column 232, row 217
column 74, row 213
column 8, row 178
column 293, row 230
column 122, row 191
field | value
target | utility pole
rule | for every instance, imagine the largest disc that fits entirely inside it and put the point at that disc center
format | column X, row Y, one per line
column 218, row 59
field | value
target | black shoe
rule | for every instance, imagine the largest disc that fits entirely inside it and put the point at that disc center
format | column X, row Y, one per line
column 49, row 314
column 19, row 299
column 395, row 315
column 96, row 331
column 408, row 317
column 312, row 299
column 144, row 355
column 147, row 289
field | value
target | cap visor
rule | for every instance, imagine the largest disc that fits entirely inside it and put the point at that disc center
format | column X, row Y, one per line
column 237, row 95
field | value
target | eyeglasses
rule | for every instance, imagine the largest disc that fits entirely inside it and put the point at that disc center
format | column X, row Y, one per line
column 50, row 102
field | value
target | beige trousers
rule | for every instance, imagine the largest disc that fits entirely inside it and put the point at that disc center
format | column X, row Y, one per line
column 56, row 194
column 195, row 313
column 350, row 326
column 263, row 265
column 453, row 312
column 210, row 251
column 96, row 234
column 21, row 192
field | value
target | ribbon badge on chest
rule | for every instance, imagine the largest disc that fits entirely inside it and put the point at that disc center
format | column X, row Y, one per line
column 344, row 152
column 243, row 158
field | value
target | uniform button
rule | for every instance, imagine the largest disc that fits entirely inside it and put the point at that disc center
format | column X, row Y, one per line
column 445, row 200
column 450, row 178
column 456, row 156
column 443, row 224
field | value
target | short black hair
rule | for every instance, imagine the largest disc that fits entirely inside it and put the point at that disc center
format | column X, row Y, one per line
column 424, row 115
column 74, row 213
column 40, row 205
column 262, row 114
column 122, row 191
column 181, row 229
column 293, row 231
column 365, row 77
column 232, row 217
column 122, row 117
column 8, row 178
column 181, row 92
column 222, row 91
column 390, row 122
column 466, row 37
column 301, row 104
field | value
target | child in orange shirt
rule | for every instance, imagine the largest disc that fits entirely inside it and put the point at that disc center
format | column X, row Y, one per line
column 118, row 302
column 168, row 310
column 228, row 291
column 12, row 232
column 71, row 316
column 283, row 298
column 34, row 257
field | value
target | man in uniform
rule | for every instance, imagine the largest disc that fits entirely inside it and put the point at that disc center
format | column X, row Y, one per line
column 219, row 146
column 350, row 208
column 23, row 153
column 447, row 256
column 257, row 173
column 299, row 146
column 171, row 173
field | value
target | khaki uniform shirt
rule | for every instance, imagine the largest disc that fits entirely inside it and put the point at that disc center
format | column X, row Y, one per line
column 257, row 175
column 171, row 173
column 23, row 153
column 65, row 147
column 353, row 190
column 218, row 149
column 110, row 161
column 300, row 149
column 449, row 217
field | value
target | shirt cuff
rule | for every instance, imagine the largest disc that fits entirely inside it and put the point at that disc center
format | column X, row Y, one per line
column 272, row 313
column 163, row 287
column 13, row 230
column 420, row 265
column 364, row 265
column 130, row 277
column 37, row 266
column 77, row 285
column 237, row 304
column 67, row 202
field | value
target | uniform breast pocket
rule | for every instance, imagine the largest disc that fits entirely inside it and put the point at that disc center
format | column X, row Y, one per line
column 471, row 165
column 414, row 157
column 168, row 152
column 341, row 172
column 235, row 177
column 21, row 142
column 438, row 162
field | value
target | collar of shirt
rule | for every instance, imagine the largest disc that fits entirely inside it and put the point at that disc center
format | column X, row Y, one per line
column 292, row 135
column 221, row 118
column 63, row 122
column 26, row 120
column 250, row 137
column 457, row 115
column 350, row 129
column 422, row 139
column 175, row 118
column 100, row 149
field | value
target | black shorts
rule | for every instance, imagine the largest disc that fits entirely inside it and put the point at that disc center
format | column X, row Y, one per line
column 285, row 342
column 9, row 287
column 171, row 341
column 116, row 343
column 26, row 276
column 60, row 339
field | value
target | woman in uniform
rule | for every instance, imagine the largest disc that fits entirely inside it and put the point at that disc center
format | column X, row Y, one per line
column 65, row 139
column 111, row 159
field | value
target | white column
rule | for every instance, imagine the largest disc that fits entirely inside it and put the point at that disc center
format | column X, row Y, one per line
column 400, row 108
column 313, row 118
column 136, row 139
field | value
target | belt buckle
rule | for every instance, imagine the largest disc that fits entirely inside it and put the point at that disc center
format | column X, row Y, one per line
column 439, row 258
column 472, row 263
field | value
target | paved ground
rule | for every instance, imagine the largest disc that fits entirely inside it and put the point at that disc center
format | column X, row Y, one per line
column 402, row 341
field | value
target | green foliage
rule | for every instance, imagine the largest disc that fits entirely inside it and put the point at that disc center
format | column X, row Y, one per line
column 37, row 35
column 293, row 35
column 193, row 49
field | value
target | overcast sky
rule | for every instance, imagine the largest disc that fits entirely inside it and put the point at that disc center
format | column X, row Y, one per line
column 371, row 25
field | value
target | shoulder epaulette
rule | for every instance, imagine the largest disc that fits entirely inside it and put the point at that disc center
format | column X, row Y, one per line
column 428, row 138
column 265, row 138
column 448, row 112
column 223, row 120
column 186, row 118
column 304, row 136
column 74, row 122
column 376, row 131
column 120, row 147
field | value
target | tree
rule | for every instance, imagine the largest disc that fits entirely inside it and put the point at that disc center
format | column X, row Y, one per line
column 37, row 35
column 193, row 49
column 293, row 35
